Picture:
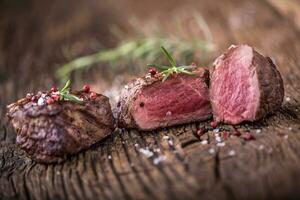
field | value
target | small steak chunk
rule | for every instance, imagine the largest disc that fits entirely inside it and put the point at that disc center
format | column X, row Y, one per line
column 51, row 132
column 245, row 86
column 148, row 103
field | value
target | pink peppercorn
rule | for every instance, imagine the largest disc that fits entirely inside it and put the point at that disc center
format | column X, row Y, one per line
column 226, row 135
column 152, row 71
column 248, row 136
column 53, row 89
column 237, row 133
column 200, row 132
column 55, row 97
column 93, row 95
column 213, row 124
column 50, row 101
column 86, row 88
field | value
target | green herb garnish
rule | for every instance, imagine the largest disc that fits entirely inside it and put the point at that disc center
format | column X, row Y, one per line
column 65, row 94
column 168, row 70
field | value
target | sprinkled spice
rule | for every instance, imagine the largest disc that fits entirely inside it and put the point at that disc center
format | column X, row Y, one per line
column 53, row 89
column 204, row 142
column 221, row 144
column 86, row 88
column 159, row 159
column 200, row 132
column 55, row 97
column 28, row 96
column 152, row 71
column 237, row 133
column 93, row 95
column 50, row 101
column 142, row 104
column 248, row 136
column 212, row 151
column 232, row 153
column 34, row 98
column 226, row 134
column 213, row 124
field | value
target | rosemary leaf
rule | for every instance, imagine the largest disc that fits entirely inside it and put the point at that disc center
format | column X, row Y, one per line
column 170, row 59
column 73, row 98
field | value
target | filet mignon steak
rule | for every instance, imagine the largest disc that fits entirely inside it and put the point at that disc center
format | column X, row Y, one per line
column 148, row 103
column 245, row 86
column 51, row 132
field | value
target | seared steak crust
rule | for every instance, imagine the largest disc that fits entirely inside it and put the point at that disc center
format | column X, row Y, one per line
column 50, row 133
column 126, row 107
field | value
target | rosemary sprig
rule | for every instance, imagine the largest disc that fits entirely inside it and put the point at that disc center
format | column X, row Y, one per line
column 168, row 70
column 65, row 94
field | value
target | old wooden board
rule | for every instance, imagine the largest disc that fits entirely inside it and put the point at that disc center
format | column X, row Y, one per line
column 170, row 163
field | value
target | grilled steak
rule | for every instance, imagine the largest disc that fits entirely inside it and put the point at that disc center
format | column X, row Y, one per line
column 148, row 103
column 51, row 132
column 245, row 86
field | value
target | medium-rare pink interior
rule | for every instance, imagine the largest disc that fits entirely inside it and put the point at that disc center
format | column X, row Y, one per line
column 234, row 91
column 176, row 101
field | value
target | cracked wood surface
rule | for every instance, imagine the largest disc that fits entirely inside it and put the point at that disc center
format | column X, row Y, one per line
column 120, row 167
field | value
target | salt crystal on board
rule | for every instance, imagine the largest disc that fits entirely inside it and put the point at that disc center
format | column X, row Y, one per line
column 231, row 153
column 165, row 137
column 146, row 152
column 159, row 159
column 261, row 147
column 204, row 142
column 212, row 151
column 221, row 144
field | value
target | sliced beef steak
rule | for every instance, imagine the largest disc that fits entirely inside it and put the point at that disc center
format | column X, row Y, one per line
column 148, row 103
column 245, row 86
column 51, row 132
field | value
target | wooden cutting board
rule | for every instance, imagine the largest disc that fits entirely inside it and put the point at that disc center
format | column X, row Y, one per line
column 173, row 163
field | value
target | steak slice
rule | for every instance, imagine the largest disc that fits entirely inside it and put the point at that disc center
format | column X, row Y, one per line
column 147, row 103
column 51, row 132
column 245, row 86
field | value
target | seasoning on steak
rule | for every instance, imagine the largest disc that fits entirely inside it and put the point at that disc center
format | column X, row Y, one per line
column 148, row 103
column 50, row 132
column 245, row 86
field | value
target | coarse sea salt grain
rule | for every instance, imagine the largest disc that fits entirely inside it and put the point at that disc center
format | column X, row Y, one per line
column 146, row 152
column 258, row 131
column 171, row 142
column 159, row 159
column 41, row 101
column 212, row 151
column 221, row 144
column 109, row 157
column 216, row 130
column 148, row 76
column 136, row 144
column 290, row 128
column 218, row 139
column 165, row 137
column 286, row 137
column 232, row 153
column 261, row 147
column 126, row 87
column 204, row 142
column 287, row 98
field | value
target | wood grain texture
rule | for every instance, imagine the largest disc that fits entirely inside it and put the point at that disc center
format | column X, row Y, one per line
column 120, row 167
